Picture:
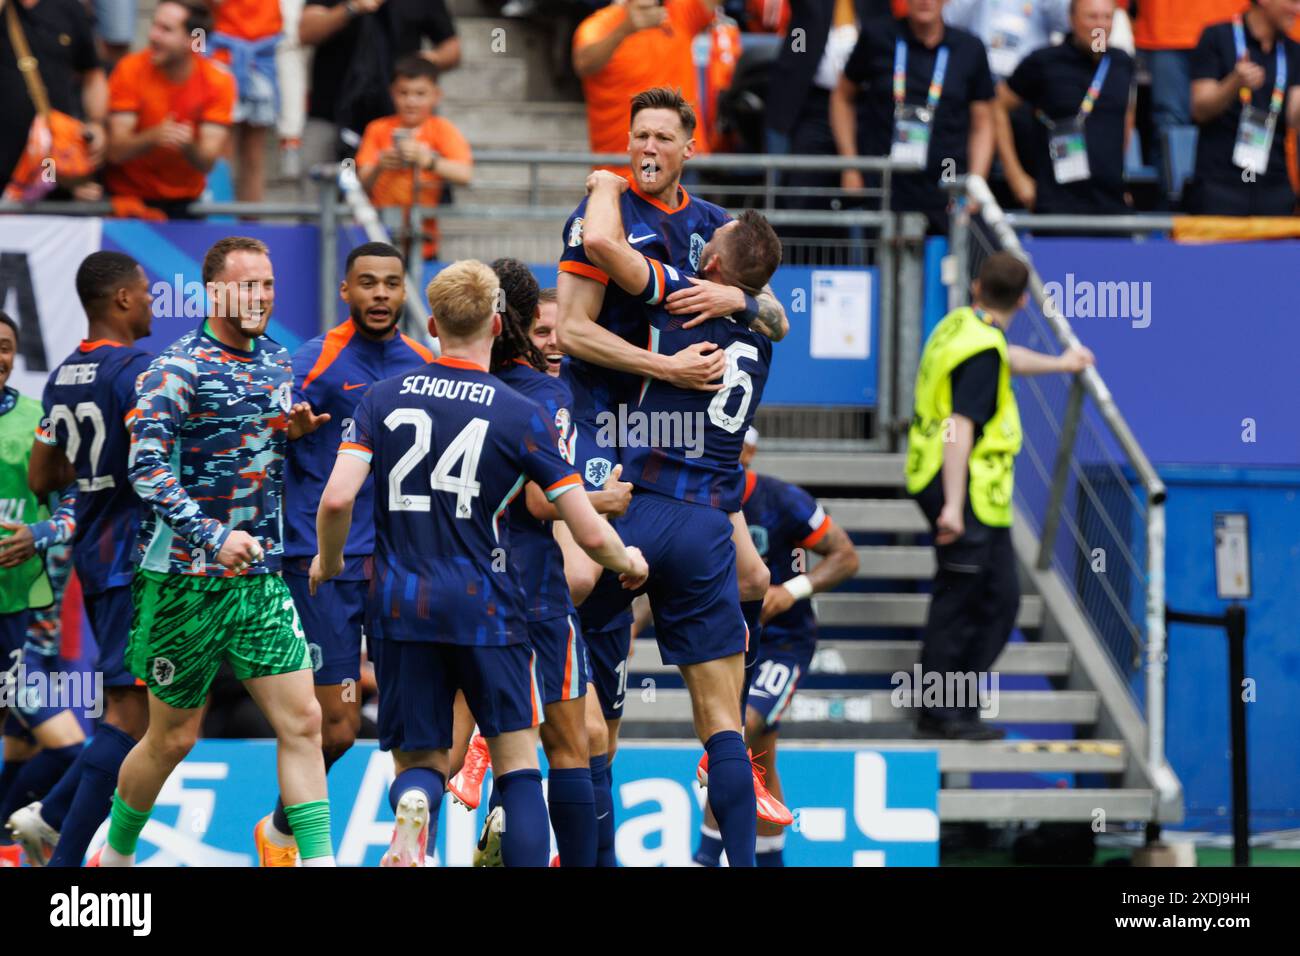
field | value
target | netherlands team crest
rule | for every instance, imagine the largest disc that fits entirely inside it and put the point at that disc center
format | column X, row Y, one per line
column 697, row 250
column 575, row 234
column 163, row 671
column 597, row 471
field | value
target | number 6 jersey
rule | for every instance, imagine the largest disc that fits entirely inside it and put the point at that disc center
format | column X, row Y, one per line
column 86, row 401
column 450, row 446
column 681, row 442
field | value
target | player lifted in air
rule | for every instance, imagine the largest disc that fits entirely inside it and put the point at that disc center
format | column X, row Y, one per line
column 87, row 401
column 207, row 457
column 603, row 328
column 450, row 447
column 331, row 373
column 786, row 523
column 687, row 488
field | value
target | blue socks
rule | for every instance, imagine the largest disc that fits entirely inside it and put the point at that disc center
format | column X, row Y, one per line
column 36, row 777
column 709, row 852
column 100, row 762
column 602, row 785
column 420, row 778
column 57, row 802
column 731, row 795
column 527, row 838
column 572, row 802
column 8, row 775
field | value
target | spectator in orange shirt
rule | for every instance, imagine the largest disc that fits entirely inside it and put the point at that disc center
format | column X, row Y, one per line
column 244, row 37
column 414, row 144
column 169, row 113
column 1165, row 33
column 630, row 46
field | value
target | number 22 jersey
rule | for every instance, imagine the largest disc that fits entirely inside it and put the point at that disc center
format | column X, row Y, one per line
column 449, row 447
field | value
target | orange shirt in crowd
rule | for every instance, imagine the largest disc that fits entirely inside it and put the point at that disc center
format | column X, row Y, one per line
column 393, row 187
column 247, row 19
column 137, row 86
column 659, row 56
column 1177, row 24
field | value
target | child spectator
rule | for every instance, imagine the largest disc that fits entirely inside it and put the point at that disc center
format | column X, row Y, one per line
column 413, row 145
column 169, row 114
column 244, row 37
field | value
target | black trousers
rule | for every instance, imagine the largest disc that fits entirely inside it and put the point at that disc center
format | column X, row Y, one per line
column 973, row 605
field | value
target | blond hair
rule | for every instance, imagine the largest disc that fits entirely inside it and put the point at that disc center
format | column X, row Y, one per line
column 463, row 298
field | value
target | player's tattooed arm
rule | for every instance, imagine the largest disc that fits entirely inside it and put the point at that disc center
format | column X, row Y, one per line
column 165, row 391
column 769, row 316
column 706, row 300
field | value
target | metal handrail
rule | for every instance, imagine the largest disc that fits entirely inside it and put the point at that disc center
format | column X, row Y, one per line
column 973, row 189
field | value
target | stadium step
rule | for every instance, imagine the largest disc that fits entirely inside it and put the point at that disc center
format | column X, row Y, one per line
column 833, row 468
column 899, row 562
column 1046, row 804
column 1018, row 756
column 513, row 125
column 884, row 515
column 900, row 610
column 649, row 704
column 886, row 657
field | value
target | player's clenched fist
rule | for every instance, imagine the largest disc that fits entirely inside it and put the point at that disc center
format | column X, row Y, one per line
column 240, row 550
column 603, row 177
column 321, row 572
column 635, row 576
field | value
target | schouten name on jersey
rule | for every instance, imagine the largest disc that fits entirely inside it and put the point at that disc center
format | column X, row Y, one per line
column 447, row 388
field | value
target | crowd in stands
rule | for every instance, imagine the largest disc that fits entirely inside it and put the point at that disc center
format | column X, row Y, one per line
column 1039, row 96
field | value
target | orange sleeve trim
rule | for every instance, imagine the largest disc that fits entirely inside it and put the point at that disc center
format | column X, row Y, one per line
column 584, row 270
column 812, row 539
column 355, row 446
column 570, row 479
column 751, row 481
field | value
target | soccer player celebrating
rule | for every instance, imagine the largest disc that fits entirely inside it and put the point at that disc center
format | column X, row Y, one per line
column 786, row 522
column 87, row 401
column 602, row 327
column 207, row 450
column 331, row 373
column 453, row 445
column 686, row 489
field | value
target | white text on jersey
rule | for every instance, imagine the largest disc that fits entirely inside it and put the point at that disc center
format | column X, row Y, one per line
column 448, row 388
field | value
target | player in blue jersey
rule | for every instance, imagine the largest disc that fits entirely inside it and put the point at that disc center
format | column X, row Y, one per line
column 786, row 523
column 41, row 738
column 681, row 449
column 86, row 403
column 331, row 373
column 450, row 447
column 208, row 434
column 603, row 326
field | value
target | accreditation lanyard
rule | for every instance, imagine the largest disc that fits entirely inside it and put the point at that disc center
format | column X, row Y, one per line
column 1089, row 97
column 900, row 76
column 1279, row 81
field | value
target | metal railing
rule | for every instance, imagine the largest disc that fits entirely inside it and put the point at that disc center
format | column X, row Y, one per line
column 1084, row 481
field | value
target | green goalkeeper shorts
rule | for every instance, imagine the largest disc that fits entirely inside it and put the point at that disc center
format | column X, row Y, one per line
column 185, row 627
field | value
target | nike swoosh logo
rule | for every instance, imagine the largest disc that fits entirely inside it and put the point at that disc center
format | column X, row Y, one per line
column 235, row 401
column 348, row 388
column 633, row 240
column 604, row 815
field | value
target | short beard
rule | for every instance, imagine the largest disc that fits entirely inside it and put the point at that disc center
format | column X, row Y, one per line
column 358, row 318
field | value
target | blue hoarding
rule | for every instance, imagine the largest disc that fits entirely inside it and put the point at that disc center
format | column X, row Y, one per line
column 852, row 807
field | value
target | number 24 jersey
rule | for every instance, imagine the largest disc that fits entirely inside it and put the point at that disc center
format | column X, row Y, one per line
column 450, row 446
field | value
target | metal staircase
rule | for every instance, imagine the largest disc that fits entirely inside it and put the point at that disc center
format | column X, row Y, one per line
column 1083, row 689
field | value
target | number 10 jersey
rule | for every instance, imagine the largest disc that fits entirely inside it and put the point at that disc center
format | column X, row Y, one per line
column 450, row 447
